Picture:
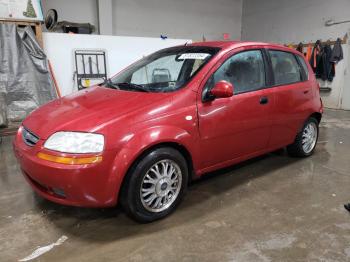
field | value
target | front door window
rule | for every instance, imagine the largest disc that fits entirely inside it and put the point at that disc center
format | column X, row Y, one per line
column 244, row 70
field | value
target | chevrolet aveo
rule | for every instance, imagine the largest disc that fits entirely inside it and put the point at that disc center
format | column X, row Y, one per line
column 140, row 137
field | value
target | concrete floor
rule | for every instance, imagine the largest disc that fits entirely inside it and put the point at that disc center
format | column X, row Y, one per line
column 273, row 208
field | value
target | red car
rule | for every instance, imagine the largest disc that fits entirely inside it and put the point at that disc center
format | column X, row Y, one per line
column 140, row 137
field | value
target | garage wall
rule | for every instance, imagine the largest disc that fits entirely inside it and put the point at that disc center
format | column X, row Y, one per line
column 190, row 19
column 285, row 21
column 178, row 19
column 80, row 11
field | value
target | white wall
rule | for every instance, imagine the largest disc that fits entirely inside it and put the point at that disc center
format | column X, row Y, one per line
column 285, row 21
column 190, row 19
column 121, row 52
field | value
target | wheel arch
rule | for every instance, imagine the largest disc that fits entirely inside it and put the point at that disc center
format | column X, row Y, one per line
column 175, row 145
column 317, row 116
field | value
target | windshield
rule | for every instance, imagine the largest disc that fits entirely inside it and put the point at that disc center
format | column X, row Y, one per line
column 164, row 71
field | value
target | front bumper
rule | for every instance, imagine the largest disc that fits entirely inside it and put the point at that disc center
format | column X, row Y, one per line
column 91, row 185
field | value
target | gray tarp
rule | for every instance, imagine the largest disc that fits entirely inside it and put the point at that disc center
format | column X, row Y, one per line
column 25, row 82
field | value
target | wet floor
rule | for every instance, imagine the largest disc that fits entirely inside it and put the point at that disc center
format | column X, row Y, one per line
column 273, row 208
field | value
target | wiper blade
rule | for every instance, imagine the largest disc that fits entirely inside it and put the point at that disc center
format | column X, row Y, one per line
column 108, row 82
column 132, row 86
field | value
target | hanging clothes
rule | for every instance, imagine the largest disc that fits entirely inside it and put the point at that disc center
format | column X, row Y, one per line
column 337, row 52
column 316, row 56
column 300, row 47
column 308, row 52
column 326, row 67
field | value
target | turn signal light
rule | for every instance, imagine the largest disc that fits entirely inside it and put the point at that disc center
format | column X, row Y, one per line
column 70, row 160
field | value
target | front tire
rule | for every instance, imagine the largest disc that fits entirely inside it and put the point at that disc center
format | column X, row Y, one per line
column 155, row 185
column 305, row 142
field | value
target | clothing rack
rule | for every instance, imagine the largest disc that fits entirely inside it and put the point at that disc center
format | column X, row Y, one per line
column 344, row 41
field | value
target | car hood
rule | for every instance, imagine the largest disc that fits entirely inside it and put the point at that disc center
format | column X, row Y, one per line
column 88, row 111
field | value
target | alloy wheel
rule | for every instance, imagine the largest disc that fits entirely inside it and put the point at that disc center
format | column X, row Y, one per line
column 309, row 137
column 161, row 186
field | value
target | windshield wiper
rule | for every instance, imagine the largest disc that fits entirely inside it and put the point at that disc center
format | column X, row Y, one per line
column 132, row 86
column 108, row 82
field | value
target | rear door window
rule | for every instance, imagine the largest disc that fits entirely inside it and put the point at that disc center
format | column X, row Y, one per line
column 285, row 67
column 304, row 69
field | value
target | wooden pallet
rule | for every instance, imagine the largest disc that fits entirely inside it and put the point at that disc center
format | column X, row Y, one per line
column 36, row 25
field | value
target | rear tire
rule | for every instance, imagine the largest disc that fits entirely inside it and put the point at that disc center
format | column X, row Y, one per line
column 155, row 185
column 306, row 140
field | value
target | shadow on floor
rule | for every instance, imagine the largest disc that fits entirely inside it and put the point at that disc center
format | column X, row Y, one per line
column 105, row 225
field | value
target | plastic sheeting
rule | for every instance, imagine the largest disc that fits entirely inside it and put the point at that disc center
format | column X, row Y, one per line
column 25, row 82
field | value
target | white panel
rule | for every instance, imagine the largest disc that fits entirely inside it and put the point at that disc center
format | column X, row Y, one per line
column 345, row 98
column 121, row 52
column 333, row 99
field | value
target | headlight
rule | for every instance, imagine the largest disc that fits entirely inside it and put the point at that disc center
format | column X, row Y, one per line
column 75, row 142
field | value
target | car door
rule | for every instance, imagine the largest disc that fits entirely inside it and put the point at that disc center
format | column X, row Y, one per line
column 237, row 126
column 293, row 92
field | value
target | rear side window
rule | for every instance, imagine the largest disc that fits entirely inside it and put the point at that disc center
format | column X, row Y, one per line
column 304, row 69
column 285, row 68
column 244, row 70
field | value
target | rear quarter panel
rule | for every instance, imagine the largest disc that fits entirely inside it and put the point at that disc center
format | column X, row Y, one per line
column 294, row 104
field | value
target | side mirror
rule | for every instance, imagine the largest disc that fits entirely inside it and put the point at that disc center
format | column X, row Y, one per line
column 222, row 89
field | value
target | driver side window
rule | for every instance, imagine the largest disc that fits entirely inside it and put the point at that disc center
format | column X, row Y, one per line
column 244, row 70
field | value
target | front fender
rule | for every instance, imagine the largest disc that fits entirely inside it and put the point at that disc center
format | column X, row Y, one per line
column 147, row 138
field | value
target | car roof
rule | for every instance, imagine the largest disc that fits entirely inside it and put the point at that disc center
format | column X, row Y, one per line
column 228, row 45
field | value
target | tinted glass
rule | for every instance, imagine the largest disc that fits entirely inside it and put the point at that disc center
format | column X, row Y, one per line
column 285, row 68
column 304, row 68
column 244, row 70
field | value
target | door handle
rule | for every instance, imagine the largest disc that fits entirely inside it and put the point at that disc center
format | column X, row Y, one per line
column 264, row 100
column 306, row 91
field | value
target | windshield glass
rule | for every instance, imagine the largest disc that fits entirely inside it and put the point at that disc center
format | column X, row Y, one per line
column 164, row 71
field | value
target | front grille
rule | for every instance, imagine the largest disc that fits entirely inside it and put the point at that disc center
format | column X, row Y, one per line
column 29, row 138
